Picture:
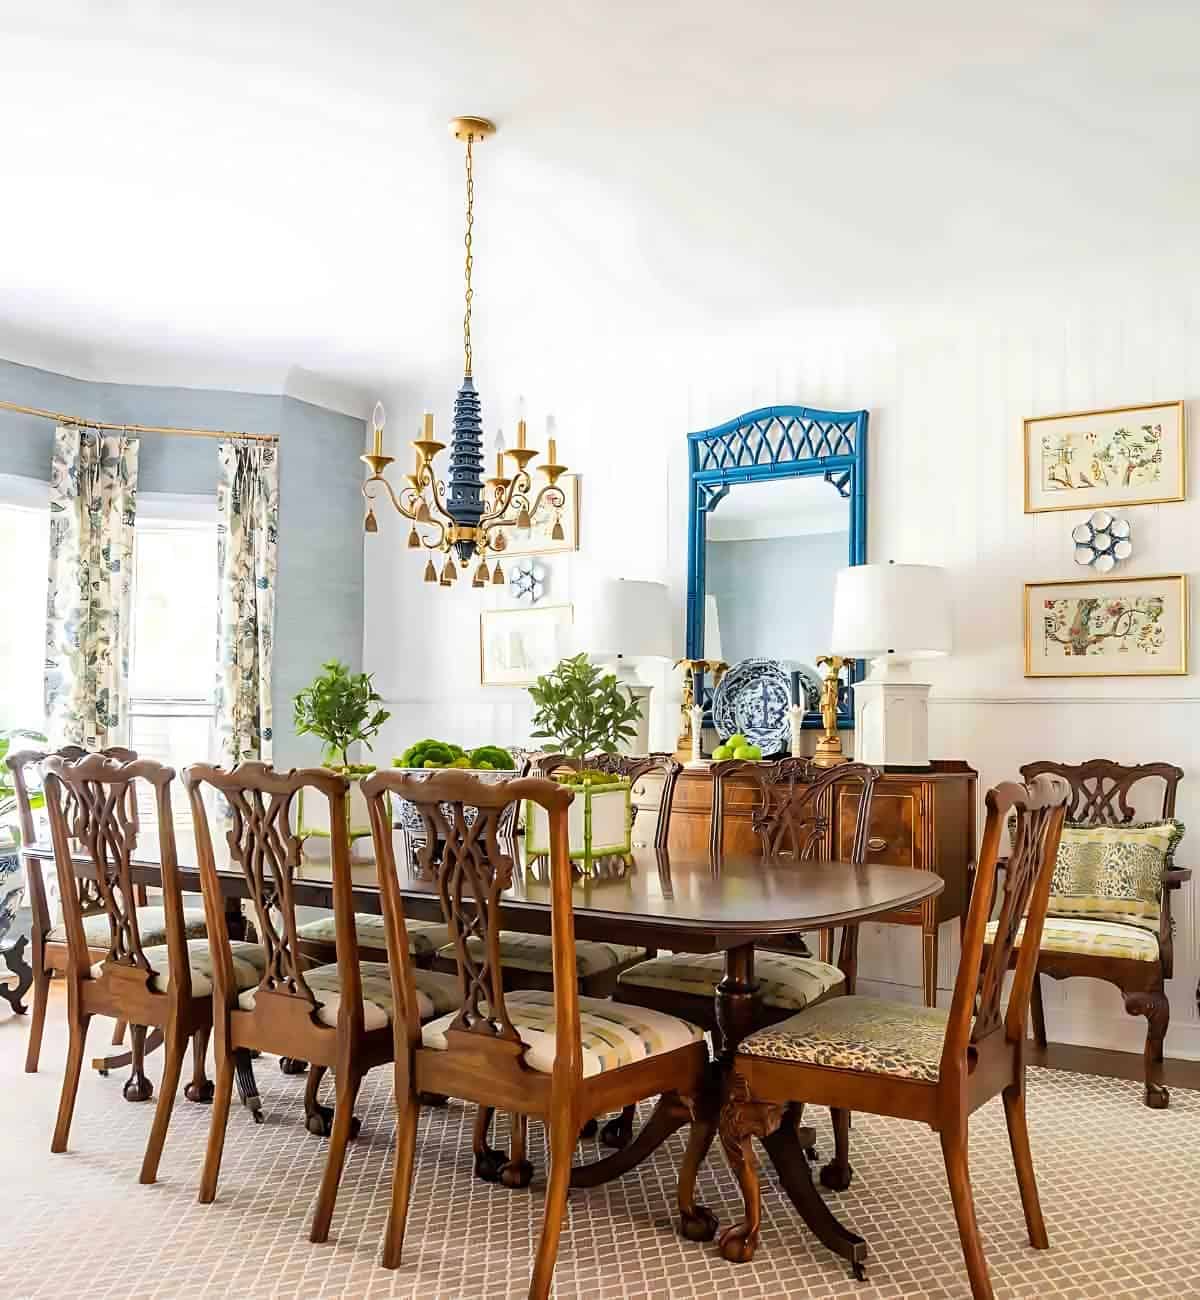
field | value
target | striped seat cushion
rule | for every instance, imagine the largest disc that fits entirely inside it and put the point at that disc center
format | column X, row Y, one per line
column 535, row 952
column 867, row 1035
column 436, row 994
column 249, row 962
column 424, row 937
column 788, row 983
column 613, row 1035
column 152, row 927
column 1071, row 934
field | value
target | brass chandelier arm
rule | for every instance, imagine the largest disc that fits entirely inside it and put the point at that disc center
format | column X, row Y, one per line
column 517, row 486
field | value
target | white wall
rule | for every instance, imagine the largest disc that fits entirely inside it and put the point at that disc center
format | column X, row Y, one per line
column 947, row 384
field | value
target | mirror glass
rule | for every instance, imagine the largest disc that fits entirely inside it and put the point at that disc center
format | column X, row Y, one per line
column 772, row 550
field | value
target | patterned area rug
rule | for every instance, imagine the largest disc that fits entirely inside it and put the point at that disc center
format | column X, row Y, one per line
column 1120, row 1189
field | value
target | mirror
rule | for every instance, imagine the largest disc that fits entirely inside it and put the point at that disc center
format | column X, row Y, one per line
column 770, row 557
column 777, row 506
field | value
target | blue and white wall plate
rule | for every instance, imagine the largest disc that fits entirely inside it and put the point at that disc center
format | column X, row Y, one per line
column 754, row 698
column 527, row 581
column 1103, row 542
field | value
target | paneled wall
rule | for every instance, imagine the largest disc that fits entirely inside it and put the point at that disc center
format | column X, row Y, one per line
column 947, row 384
column 319, row 603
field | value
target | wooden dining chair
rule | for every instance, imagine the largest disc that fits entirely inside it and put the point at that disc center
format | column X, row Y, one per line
column 913, row 1062
column 135, row 979
column 49, row 940
column 338, row 1016
column 1109, row 916
column 792, row 821
column 551, row 1054
column 528, row 958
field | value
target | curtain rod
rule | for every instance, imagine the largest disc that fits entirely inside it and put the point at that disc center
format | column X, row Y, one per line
column 60, row 418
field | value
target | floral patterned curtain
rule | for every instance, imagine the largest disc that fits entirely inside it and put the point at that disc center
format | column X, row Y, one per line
column 247, row 559
column 93, row 500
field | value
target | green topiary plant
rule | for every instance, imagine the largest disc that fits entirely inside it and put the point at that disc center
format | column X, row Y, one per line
column 8, row 792
column 583, row 710
column 338, row 708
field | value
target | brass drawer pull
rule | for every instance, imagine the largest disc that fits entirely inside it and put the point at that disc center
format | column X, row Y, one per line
column 876, row 845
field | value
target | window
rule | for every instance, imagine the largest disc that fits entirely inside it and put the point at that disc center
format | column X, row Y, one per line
column 24, row 552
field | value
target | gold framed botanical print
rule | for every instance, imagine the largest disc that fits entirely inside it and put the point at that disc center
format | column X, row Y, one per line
column 1127, row 456
column 1107, row 627
column 538, row 538
column 517, row 646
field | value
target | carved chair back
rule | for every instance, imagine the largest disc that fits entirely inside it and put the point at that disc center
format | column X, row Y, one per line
column 1037, row 810
column 631, row 768
column 795, row 800
column 473, row 869
column 1101, row 789
column 21, row 764
column 92, row 804
column 265, row 850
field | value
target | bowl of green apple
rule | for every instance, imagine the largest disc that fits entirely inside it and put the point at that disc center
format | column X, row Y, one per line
column 737, row 746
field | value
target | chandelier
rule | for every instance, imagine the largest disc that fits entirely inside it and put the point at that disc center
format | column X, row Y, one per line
column 461, row 514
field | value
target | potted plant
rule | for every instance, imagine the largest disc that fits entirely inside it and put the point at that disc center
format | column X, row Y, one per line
column 339, row 707
column 582, row 710
column 487, row 762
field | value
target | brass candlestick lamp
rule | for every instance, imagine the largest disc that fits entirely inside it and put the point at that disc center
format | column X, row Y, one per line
column 469, row 515
column 718, row 669
column 829, row 747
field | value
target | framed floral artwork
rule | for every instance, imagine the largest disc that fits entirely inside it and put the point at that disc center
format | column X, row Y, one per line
column 1129, row 456
column 538, row 538
column 1113, row 627
column 517, row 646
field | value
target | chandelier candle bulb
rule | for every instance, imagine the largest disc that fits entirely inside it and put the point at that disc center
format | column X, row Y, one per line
column 521, row 434
column 552, row 454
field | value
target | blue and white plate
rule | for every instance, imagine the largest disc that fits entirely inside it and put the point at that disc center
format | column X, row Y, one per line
column 753, row 698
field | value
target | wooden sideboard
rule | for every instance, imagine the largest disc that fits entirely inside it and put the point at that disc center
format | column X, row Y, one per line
column 918, row 819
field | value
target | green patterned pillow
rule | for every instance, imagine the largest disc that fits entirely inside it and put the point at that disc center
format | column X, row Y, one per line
column 1114, row 873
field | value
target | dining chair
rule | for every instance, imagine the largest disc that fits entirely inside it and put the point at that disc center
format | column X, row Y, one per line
column 338, row 1016
column 49, row 939
column 792, row 821
column 552, row 1054
column 1109, row 916
column 136, row 979
column 920, row 1063
column 528, row 958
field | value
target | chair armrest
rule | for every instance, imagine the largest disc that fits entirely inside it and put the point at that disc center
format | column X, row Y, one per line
column 1175, row 877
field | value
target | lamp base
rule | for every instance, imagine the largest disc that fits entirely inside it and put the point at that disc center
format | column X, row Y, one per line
column 891, row 724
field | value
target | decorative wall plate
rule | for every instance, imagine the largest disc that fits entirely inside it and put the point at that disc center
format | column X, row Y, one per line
column 754, row 698
column 1103, row 542
column 527, row 581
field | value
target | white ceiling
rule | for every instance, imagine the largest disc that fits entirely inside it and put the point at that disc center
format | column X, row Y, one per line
column 265, row 195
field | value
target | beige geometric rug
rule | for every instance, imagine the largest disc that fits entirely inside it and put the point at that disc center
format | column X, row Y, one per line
column 1120, row 1189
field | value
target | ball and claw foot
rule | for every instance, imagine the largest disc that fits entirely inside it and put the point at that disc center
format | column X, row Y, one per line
column 138, row 1088
column 320, row 1122
column 836, row 1177
column 737, row 1244
column 590, row 1129
column 488, row 1164
column 1157, row 1097
column 615, row 1134
column 700, row 1225
column 201, row 1093
column 516, row 1173
column 292, row 1065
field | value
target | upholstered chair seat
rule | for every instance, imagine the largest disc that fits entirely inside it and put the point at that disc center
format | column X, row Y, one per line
column 1129, row 939
column 152, row 928
column 424, row 937
column 249, row 962
column 786, row 982
column 612, row 1035
column 535, row 953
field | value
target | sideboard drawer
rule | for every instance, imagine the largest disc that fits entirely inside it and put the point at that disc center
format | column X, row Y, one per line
column 892, row 837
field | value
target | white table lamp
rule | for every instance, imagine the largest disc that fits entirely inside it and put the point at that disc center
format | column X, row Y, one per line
column 891, row 614
column 624, row 621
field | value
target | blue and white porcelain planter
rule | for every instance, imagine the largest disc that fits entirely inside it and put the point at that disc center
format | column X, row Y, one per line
column 408, row 815
column 12, row 888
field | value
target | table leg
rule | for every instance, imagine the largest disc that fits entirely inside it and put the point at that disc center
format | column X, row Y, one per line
column 243, row 1066
column 119, row 1060
column 670, row 1115
column 13, row 953
column 739, row 1003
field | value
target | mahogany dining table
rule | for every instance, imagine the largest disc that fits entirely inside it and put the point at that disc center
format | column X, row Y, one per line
column 684, row 903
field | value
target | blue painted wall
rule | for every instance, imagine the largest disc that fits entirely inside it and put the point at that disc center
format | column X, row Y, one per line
column 319, row 605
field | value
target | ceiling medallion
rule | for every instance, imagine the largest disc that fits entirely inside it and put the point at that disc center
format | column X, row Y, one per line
column 462, row 515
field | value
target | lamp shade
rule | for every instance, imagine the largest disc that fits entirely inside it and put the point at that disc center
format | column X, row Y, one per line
column 900, row 609
column 631, row 619
column 712, row 630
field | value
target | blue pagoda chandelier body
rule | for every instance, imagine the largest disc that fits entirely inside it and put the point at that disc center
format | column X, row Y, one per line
column 465, row 515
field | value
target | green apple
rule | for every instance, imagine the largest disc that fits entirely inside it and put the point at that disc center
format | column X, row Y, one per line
column 748, row 753
column 737, row 740
column 722, row 752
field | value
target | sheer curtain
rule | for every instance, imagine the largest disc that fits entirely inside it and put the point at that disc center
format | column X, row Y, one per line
column 247, row 559
column 93, row 501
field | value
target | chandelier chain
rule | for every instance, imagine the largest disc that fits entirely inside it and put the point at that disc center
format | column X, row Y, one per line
column 470, row 260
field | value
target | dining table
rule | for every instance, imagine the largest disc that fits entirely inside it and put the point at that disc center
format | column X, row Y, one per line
column 692, row 903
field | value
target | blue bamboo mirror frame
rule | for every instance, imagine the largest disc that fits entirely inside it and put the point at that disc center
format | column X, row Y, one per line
column 775, row 442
